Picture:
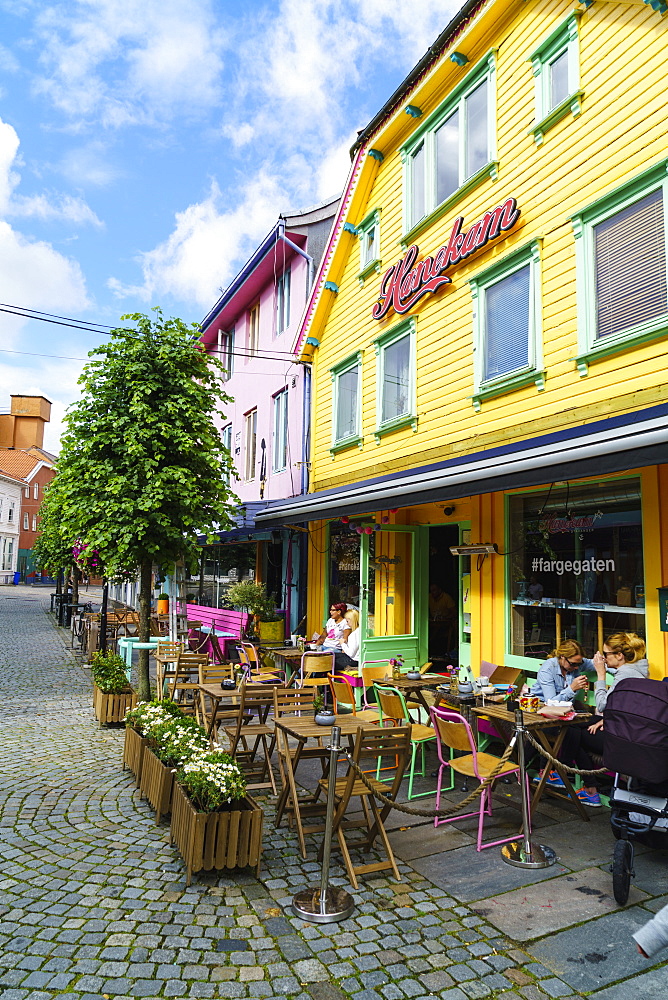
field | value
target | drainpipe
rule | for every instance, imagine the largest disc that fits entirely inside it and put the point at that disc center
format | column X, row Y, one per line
column 306, row 426
column 302, row 253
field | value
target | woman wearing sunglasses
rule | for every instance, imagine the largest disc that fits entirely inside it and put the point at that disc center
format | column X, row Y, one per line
column 559, row 677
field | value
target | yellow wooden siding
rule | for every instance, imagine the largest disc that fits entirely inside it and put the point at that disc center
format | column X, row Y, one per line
column 621, row 131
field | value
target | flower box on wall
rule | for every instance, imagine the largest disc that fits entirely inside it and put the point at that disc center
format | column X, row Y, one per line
column 228, row 838
column 133, row 752
column 112, row 707
column 155, row 783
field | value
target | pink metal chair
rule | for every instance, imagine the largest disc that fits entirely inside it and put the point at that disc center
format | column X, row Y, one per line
column 454, row 732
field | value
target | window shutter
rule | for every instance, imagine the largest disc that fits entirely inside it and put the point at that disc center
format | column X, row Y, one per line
column 630, row 266
column 507, row 324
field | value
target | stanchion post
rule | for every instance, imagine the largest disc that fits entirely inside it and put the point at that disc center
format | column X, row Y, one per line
column 521, row 853
column 326, row 904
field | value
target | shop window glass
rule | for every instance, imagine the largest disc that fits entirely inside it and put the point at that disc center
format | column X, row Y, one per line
column 575, row 566
column 344, row 565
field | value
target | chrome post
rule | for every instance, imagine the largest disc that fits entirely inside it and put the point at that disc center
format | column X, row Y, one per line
column 522, row 853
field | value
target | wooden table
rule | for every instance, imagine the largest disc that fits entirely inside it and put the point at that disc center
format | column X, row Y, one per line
column 302, row 728
column 287, row 658
column 217, row 693
column 539, row 727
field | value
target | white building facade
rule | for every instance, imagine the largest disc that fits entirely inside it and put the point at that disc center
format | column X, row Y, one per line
column 10, row 520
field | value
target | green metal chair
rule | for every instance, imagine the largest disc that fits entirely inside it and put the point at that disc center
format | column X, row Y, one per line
column 393, row 709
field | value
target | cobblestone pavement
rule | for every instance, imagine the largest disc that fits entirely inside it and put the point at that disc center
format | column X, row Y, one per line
column 93, row 899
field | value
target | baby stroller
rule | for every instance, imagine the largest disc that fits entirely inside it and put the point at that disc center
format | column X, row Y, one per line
column 635, row 745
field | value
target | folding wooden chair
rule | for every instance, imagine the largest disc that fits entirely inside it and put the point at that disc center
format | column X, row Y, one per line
column 315, row 670
column 165, row 653
column 344, row 698
column 372, row 743
column 373, row 670
column 184, row 685
column 295, row 701
column 253, row 669
column 257, row 700
column 226, row 712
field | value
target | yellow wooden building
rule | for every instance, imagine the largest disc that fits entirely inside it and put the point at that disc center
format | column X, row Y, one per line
column 487, row 338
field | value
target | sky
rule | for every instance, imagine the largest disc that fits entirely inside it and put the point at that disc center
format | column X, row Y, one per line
column 147, row 147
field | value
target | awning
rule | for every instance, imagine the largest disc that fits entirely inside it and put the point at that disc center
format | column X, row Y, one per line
column 616, row 444
column 245, row 528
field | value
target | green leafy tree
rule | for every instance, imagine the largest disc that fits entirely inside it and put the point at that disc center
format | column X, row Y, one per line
column 142, row 468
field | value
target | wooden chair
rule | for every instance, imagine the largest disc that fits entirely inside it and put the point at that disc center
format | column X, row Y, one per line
column 454, row 732
column 227, row 712
column 343, row 696
column 393, row 709
column 373, row 670
column 184, row 684
column 257, row 700
column 315, row 669
column 254, row 671
column 166, row 652
column 372, row 743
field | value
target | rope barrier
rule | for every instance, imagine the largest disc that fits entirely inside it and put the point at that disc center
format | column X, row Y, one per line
column 430, row 814
column 560, row 764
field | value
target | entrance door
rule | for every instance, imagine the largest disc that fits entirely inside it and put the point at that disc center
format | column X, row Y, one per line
column 444, row 586
column 391, row 597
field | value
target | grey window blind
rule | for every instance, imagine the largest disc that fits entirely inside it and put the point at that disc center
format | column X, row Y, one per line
column 507, row 324
column 630, row 266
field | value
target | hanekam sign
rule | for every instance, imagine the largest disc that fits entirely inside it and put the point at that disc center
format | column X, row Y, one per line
column 405, row 283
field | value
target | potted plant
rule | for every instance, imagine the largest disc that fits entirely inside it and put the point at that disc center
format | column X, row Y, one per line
column 214, row 823
column 112, row 694
column 140, row 721
column 170, row 744
column 322, row 716
column 163, row 604
column 253, row 598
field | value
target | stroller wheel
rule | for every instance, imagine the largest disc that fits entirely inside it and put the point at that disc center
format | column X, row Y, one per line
column 622, row 870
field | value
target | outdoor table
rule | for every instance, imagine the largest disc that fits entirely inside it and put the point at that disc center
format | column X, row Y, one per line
column 127, row 643
column 287, row 658
column 303, row 728
column 411, row 688
column 539, row 726
column 216, row 693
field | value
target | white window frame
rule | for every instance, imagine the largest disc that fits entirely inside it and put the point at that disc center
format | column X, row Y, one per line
column 34, row 522
column 279, row 444
column 10, row 512
column 253, row 329
column 591, row 348
column 425, row 135
column 370, row 262
column 225, row 349
column 250, row 437
column 533, row 371
column 25, row 522
column 226, row 438
column 407, row 328
column 336, row 371
column 35, row 491
column 283, row 302
column 564, row 38
column 26, row 492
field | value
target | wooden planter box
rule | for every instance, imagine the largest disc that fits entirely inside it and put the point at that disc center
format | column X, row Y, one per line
column 155, row 783
column 112, row 707
column 231, row 838
column 133, row 752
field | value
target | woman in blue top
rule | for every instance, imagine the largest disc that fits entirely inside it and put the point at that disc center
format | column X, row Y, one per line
column 559, row 677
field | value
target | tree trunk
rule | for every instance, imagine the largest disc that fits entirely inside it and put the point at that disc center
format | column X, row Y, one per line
column 103, row 616
column 144, row 684
column 75, row 585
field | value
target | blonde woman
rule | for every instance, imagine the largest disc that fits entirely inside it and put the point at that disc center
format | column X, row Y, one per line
column 347, row 657
column 623, row 656
column 559, row 677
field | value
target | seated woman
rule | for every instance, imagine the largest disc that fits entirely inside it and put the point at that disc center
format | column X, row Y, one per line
column 559, row 677
column 336, row 630
column 347, row 658
column 623, row 656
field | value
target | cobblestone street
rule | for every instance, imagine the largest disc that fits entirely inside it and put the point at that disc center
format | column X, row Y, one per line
column 94, row 902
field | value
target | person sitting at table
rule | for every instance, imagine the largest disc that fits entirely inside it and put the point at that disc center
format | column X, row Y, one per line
column 559, row 677
column 336, row 630
column 623, row 656
column 347, row 658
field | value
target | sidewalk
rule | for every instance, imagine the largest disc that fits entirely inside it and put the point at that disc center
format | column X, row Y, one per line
column 94, row 902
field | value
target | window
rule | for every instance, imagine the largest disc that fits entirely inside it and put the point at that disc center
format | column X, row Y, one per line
column 506, row 324
column 395, row 350
column 226, row 438
column 225, row 352
column 25, row 522
column 254, row 329
column 346, row 402
column 34, row 522
column 10, row 512
column 556, row 69
column 35, row 491
column 452, row 150
column 250, row 444
column 7, row 553
column 279, row 459
column 283, row 302
column 576, row 569
column 368, row 232
column 26, row 492
column 622, row 270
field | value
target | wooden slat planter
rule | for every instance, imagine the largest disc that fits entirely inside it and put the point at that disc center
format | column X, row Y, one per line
column 112, row 707
column 155, row 783
column 133, row 752
column 231, row 838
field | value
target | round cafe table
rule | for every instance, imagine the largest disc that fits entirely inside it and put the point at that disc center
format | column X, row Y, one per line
column 127, row 643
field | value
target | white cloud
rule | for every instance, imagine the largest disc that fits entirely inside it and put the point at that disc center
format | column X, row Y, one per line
column 123, row 62
column 56, row 207
column 199, row 256
column 9, row 147
column 89, row 165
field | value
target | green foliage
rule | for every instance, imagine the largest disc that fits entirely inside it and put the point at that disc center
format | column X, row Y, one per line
column 212, row 780
column 318, row 702
column 176, row 740
column 148, row 715
column 163, row 597
column 108, row 672
column 253, row 597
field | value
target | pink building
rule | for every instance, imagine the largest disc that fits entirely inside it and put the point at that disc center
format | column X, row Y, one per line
column 253, row 328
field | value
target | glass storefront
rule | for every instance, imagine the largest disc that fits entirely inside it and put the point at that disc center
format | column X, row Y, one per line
column 575, row 565
column 344, row 565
